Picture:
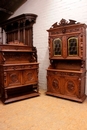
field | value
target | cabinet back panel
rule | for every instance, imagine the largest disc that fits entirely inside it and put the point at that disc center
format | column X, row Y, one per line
column 67, row 65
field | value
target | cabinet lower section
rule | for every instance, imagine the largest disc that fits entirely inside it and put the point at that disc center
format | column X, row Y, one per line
column 68, row 85
column 16, row 94
column 18, row 82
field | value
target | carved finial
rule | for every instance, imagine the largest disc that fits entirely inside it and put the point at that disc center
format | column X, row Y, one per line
column 54, row 25
column 72, row 21
column 63, row 22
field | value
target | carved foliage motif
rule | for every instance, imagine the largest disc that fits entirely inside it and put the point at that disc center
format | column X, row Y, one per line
column 64, row 31
column 58, row 73
column 20, row 67
column 34, row 54
column 81, row 46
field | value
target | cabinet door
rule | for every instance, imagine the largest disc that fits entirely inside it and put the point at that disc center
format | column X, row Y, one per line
column 72, row 86
column 13, row 78
column 66, row 47
column 55, row 47
column 75, row 46
column 72, row 47
column 61, row 83
column 30, row 76
column 54, row 82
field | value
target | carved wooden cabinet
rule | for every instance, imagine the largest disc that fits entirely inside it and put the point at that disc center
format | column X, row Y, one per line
column 18, row 59
column 67, row 53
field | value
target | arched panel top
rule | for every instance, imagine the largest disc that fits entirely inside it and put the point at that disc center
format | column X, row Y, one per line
column 57, row 47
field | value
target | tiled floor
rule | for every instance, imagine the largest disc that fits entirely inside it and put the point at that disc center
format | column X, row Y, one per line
column 44, row 113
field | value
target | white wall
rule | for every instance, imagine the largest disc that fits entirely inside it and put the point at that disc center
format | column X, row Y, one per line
column 49, row 12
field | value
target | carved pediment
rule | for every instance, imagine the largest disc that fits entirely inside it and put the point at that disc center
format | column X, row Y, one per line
column 63, row 22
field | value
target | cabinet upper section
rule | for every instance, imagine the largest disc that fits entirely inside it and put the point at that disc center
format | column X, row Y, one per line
column 67, row 40
column 16, row 45
column 19, row 28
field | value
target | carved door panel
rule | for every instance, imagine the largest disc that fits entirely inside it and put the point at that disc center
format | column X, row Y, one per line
column 13, row 78
column 29, row 76
column 72, row 86
column 54, row 83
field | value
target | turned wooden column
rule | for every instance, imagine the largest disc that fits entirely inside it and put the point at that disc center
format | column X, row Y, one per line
column 19, row 30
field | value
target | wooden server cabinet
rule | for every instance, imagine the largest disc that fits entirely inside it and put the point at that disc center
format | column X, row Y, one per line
column 67, row 53
column 18, row 59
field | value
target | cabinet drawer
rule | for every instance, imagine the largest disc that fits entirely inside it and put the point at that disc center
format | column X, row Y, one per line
column 64, row 73
column 20, row 67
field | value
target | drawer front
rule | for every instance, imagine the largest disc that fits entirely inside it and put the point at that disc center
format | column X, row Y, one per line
column 20, row 67
column 62, row 73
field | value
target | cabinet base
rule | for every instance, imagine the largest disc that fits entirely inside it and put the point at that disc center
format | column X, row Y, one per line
column 20, row 97
column 80, row 100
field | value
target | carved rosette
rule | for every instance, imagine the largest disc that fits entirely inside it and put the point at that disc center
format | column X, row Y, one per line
column 70, row 87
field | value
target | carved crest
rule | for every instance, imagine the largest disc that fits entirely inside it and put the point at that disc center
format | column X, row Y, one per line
column 63, row 22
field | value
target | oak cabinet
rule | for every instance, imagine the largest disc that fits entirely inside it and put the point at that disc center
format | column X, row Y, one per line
column 18, row 59
column 67, row 53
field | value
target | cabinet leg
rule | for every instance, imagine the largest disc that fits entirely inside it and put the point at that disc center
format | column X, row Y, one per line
column 38, row 88
column 6, row 96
